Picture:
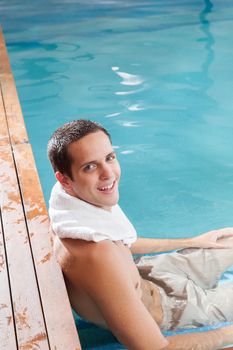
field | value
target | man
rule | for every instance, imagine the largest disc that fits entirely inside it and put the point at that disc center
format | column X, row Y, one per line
column 103, row 282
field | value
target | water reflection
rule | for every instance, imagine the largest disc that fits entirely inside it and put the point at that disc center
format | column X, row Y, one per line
column 128, row 79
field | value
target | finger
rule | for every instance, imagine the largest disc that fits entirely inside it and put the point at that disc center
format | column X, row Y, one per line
column 226, row 230
column 225, row 234
column 222, row 245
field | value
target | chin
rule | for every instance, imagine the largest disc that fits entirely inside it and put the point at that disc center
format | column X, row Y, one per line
column 114, row 202
column 111, row 203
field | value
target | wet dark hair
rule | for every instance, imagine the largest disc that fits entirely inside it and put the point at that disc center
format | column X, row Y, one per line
column 65, row 135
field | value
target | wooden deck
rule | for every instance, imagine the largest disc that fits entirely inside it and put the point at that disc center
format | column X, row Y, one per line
column 34, row 308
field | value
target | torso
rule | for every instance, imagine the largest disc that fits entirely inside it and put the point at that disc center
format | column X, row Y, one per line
column 80, row 300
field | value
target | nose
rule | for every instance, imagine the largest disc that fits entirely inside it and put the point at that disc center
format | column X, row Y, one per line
column 106, row 172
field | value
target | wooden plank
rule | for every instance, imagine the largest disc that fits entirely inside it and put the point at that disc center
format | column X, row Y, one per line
column 4, row 135
column 4, row 62
column 7, row 331
column 60, row 324
column 13, row 110
column 29, row 321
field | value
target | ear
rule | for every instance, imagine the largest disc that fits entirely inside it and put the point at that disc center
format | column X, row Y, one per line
column 64, row 180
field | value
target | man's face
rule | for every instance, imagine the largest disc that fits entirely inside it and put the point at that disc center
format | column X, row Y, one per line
column 95, row 171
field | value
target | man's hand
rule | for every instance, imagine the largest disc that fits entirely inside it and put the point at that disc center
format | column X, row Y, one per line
column 222, row 238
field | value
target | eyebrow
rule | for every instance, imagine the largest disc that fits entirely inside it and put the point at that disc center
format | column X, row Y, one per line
column 95, row 161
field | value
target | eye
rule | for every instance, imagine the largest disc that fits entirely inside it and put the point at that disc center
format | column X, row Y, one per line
column 89, row 167
column 111, row 157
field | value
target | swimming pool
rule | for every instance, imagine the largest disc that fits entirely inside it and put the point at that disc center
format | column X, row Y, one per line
column 158, row 75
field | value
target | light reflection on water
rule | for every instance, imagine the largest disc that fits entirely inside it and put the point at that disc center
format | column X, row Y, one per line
column 158, row 75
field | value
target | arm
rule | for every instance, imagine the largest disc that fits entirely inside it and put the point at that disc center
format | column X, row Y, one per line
column 222, row 238
column 152, row 245
column 109, row 283
column 210, row 340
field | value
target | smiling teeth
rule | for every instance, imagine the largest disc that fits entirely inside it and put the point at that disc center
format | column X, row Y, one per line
column 106, row 188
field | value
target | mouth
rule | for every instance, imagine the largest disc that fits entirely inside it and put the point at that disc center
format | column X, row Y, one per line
column 107, row 189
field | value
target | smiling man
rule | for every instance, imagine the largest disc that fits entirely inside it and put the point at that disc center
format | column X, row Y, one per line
column 85, row 180
column 94, row 245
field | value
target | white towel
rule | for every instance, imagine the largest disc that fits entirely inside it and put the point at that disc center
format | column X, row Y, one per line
column 73, row 218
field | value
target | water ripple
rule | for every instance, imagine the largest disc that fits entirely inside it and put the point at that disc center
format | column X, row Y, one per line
column 129, row 124
column 100, row 88
column 84, row 57
column 128, row 92
column 128, row 79
column 128, row 151
column 136, row 107
column 112, row 115
column 67, row 47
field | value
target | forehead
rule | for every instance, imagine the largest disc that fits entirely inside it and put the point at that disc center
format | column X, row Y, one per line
column 89, row 148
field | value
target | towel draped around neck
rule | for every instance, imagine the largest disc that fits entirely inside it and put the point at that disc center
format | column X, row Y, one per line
column 74, row 218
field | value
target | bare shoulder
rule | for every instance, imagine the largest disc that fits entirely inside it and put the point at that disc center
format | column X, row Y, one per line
column 79, row 253
column 101, row 255
column 79, row 248
column 82, row 262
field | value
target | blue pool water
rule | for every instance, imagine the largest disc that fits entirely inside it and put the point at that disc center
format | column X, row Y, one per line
column 158, row 75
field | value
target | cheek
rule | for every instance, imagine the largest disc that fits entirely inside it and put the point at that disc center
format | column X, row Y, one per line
column 118, row 169
column 88, row 181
